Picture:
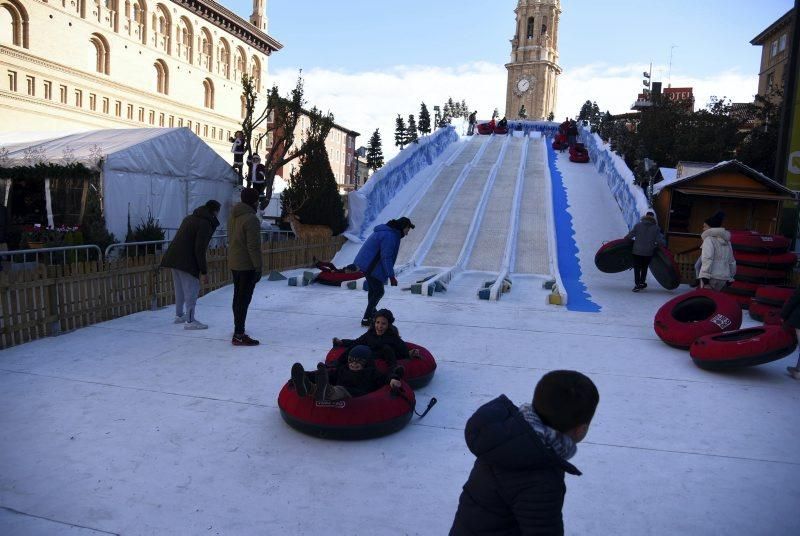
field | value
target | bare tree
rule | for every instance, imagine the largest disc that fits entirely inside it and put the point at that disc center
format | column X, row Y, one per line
column 276, row 124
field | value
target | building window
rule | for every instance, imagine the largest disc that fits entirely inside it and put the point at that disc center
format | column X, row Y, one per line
column 12, row 80
column 105, row 105
column 255, row 72
column 205, row 131
column 774, row 48
column 189, row 124
column 62, row 94
column 185, row 38
column 239, row 64
column 99, row 54
column 30, row 83
column 770, row 81
column 48, row 90
column 162, row 77
column 141, row 114
column 208, row 93
column 130, row 112
column 529, row 31
column 152, row 117
column 214, row 132
column 139, row 18
column 161, row 120
column 162, row 28
column 171, row 121
column 14, row 23
column 180, row 122
column 782, row 43
column 206, row 49
column 118, row 108
column 79, row 98
column 92, row 102
column 223, row 59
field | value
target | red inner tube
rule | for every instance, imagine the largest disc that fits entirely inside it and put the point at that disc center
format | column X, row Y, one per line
column 742, row 348
column 665, row 269
column 765, row 260
column 337, row 278
column 768, row 314
column 772, row 295
column 685, row 318
column 754, row 241
column 749, row 273
column 418, row 371
column 615, row 256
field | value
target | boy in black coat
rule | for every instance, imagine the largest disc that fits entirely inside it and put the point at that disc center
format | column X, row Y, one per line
column 517, row 486
column 791, row 318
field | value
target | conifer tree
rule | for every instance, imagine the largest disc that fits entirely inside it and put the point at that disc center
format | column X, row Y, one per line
column 464, row 109
column 424, row 125
column 411, row 131
column 400, row 132
column 312, row 193
column 375, row 151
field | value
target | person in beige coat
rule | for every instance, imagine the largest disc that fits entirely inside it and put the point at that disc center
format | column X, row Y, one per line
column 244, row 261
column 717, row 265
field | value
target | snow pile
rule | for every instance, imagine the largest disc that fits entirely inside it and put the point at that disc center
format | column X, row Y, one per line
column 630, row 197
column 366, row 203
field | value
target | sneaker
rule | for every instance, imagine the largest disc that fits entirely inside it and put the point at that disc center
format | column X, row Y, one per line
column 299, row 379
column 365, row 322
column 643, row 285
column 179, row 319
column 322, row 383
column 637, row 288
column 195, row 324
column 243, row 340
column 794, row 372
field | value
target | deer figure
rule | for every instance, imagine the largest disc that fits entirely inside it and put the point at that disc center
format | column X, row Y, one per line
column 303, row 231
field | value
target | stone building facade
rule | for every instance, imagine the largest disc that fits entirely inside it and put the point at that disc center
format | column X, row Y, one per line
column 533, row 69
column 775, row 43
column 86, row 64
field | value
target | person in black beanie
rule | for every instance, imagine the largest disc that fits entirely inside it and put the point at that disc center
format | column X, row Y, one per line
column 244, row 261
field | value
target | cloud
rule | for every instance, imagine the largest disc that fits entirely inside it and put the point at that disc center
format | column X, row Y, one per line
column 364, row 101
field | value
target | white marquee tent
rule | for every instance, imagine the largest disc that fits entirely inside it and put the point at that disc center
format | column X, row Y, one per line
column 167, row 172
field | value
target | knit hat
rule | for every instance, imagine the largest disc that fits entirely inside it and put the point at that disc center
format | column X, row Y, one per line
column 249, row 196
column 385, row 313
column 213, row 205
column 360, row 353
column 716, row 219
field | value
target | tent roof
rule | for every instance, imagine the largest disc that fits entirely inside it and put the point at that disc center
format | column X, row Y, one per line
column 84, row 147
column 727, row 165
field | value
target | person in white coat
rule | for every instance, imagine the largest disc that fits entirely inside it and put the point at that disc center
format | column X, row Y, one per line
column 717, row 265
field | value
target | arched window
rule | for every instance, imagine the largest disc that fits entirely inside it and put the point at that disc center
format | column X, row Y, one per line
column 206, row 49
column 99, row 54
column 530, row 30
column 223, row 58
column 13, row 23
column 185, row 39
column 239, row 64
column 112, row 11
column 139, row 21
column 255, row 72
column 162, row 77
column 162, row 28
column 208, row 91
column 244, row 105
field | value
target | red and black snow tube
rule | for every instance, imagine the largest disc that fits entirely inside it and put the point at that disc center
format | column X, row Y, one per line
column 687, row 317
column 766, row 260
column 337, row 278
column 375, row 414
column 756, row 242
column 418, row 371
column 665, row 269
column 578, row 153
column 774, row 296
column 560, row 142
column 759, row 275
column 615, row 256
column 501, row 130
column 485, row 128
column 742, row 348
column 761, row 312
column 742, row 292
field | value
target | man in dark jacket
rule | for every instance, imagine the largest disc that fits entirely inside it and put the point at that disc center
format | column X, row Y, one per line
column 790, row 313
column 517, row 486
column 244, row 261
column 646, row 238
column 186, row 256
column 376, row 259
column 473, row 118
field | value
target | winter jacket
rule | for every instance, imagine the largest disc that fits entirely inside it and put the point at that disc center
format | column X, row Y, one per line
column 362, row 382
column 646, row 237
column 187, row 251
column 244, row 239
column 517, row 485
column 716, row 258
column 791, row 310
column 379, row 253
column 389, row 346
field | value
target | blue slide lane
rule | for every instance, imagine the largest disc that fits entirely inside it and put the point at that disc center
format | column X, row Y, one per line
column 568, row 263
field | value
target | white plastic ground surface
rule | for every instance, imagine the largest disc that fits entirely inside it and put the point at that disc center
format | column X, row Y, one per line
column 135, row 426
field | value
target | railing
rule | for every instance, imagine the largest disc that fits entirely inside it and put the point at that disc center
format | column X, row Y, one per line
column 18, row 259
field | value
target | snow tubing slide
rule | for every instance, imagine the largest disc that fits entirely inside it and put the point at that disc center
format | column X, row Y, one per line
column 687, row 317
column 615, row 256
column 742, row 348
column 418, row 371
column 756, row 242
column 376, row 414
column 335, row 279
column 768, row 314
column 775, row 296
column 759, row 275
column 765, row 260
column 665, row 269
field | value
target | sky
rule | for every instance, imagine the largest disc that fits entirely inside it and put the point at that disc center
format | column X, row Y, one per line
column 367, row 61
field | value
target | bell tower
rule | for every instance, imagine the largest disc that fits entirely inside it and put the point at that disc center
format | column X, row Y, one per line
column 259, row 16
column 533, row 68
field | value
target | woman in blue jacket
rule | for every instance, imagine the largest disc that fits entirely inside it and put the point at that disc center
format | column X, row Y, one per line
column 376, row 259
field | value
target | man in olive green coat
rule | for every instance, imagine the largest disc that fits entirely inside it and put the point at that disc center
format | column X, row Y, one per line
column 244, row 260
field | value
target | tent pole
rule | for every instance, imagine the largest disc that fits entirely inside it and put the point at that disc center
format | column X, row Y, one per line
column 48, row 202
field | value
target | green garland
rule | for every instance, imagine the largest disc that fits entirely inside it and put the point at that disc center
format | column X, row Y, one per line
column 51, row 171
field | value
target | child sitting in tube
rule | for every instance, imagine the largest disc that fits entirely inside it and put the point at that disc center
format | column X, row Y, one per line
column 357, row 376
column 382, row 338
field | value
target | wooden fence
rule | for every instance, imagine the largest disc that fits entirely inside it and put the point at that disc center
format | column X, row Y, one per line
column 44, row 300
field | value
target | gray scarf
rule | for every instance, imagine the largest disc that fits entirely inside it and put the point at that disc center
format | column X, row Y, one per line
column 562, row 444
